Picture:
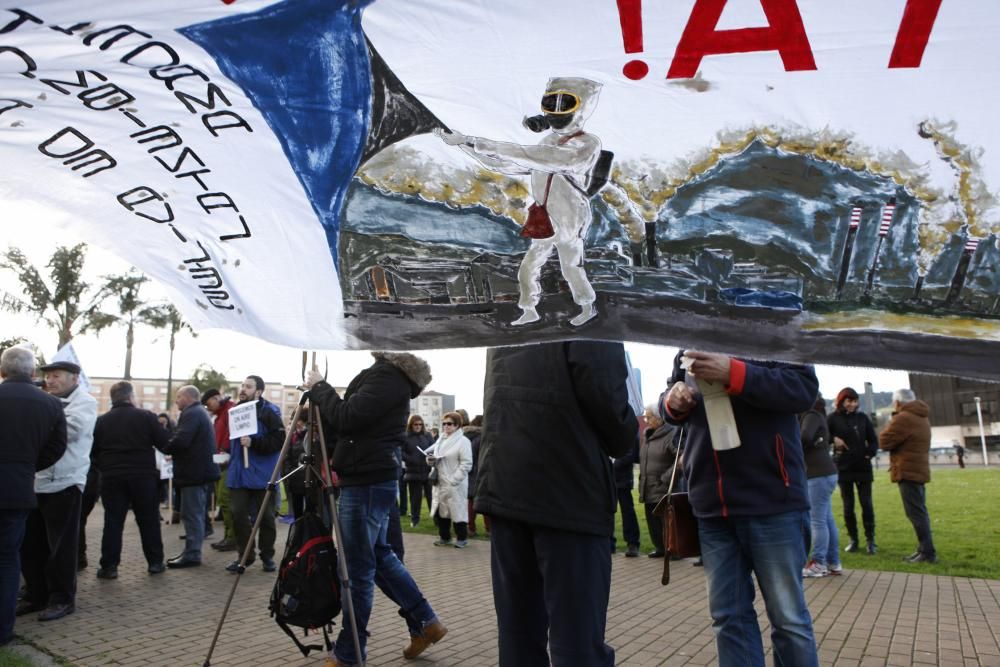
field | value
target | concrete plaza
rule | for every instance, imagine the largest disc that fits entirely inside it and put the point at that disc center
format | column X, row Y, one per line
column 862, row 618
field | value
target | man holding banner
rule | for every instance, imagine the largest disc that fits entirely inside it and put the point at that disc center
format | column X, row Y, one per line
column 256, row 433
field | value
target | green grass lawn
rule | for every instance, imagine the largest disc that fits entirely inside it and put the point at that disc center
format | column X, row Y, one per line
column 965, row 517
column 10, row 659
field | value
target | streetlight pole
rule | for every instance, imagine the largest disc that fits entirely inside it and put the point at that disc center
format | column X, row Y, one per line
column 982, row 432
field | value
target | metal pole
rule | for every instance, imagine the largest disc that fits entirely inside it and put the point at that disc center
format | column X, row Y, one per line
column 982, row 432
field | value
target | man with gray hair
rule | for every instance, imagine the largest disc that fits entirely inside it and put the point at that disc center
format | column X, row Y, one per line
column 191, row 446
column 50, row 551
column 907, row 438
column 32, row 439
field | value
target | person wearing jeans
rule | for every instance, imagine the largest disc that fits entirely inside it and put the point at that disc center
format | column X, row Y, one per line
column 191, row 446
column 369, row 422
column 751, row 501
column 364, row 520
column 822, row 477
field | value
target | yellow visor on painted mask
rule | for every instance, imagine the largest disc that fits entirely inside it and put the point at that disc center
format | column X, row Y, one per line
column 560, row 102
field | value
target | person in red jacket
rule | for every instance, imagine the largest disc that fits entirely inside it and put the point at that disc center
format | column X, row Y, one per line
column 218, row 405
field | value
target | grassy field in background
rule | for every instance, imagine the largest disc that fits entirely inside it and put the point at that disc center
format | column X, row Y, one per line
column 965, row 518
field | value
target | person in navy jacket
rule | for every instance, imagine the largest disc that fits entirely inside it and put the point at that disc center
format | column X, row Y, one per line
column 33, row 438
column 752, row 502
column 248, row 483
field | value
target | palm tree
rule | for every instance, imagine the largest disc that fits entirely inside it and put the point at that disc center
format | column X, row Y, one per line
column 133, row 309
column 168, row 317
column 65, row 301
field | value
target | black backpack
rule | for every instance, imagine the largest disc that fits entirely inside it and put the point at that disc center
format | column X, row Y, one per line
column 307, row 592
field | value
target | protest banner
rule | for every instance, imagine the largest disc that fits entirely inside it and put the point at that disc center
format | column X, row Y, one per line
column 789, row 179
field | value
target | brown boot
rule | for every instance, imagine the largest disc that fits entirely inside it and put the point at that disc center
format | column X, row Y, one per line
column 433, row 633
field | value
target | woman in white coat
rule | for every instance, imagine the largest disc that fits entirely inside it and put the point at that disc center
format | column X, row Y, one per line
column 451, row 455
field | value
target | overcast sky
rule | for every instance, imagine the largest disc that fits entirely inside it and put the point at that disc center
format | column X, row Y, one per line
column 457, row 371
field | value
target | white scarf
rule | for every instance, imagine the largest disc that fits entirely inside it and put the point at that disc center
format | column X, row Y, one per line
column 446, row 446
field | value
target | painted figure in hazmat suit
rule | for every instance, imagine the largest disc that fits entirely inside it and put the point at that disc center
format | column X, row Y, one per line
column 559, row 166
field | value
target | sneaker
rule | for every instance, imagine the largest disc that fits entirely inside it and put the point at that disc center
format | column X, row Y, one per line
column 835, row 570
column 632, row 551
column 414, row 524
column 923, row 558
column 814, row 569
column 851, row 547
column 443, row 543
column 432, row 634
column 107, row 573
column 872, row 549
column 461, row 544
column 268, row 565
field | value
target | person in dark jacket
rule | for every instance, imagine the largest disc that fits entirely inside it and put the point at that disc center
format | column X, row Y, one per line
column 415, row 464
column 124, row 440
column 295, row 484
column 546, row 481
column 253, row 458
column 854, row 447
column 624, row 481
column 33, row 438
column 191, row 446
column 751, row 501
column 907, row 438
column 821, row 474
column 657, row 453
column 474, row 432
column 367, row 427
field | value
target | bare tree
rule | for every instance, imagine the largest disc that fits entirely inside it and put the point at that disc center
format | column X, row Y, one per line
column 64, row 301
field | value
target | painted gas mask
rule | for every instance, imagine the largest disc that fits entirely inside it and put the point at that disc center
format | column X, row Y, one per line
column 566, row 105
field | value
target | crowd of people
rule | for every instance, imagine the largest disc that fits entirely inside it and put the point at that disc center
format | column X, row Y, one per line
column 547, row 467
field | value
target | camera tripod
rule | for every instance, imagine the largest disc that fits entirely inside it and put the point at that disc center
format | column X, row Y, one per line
column 324, row 491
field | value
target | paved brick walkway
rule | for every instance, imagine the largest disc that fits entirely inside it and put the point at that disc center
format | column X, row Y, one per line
column 862, row 618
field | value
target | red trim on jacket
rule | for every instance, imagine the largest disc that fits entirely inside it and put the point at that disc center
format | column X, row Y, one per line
column 779, row 449
column 737, row 377
column 718, row 484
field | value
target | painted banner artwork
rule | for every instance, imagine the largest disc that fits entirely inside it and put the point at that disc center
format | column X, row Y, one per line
column 787, row 179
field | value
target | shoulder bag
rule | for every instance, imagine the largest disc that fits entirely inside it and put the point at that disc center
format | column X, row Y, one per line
column 680, row 527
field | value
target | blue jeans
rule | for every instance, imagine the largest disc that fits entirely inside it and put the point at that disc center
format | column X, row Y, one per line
column 193, row 508
column 773, row 548
column 364, row 520
column 11, row 535
column 825, row 539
